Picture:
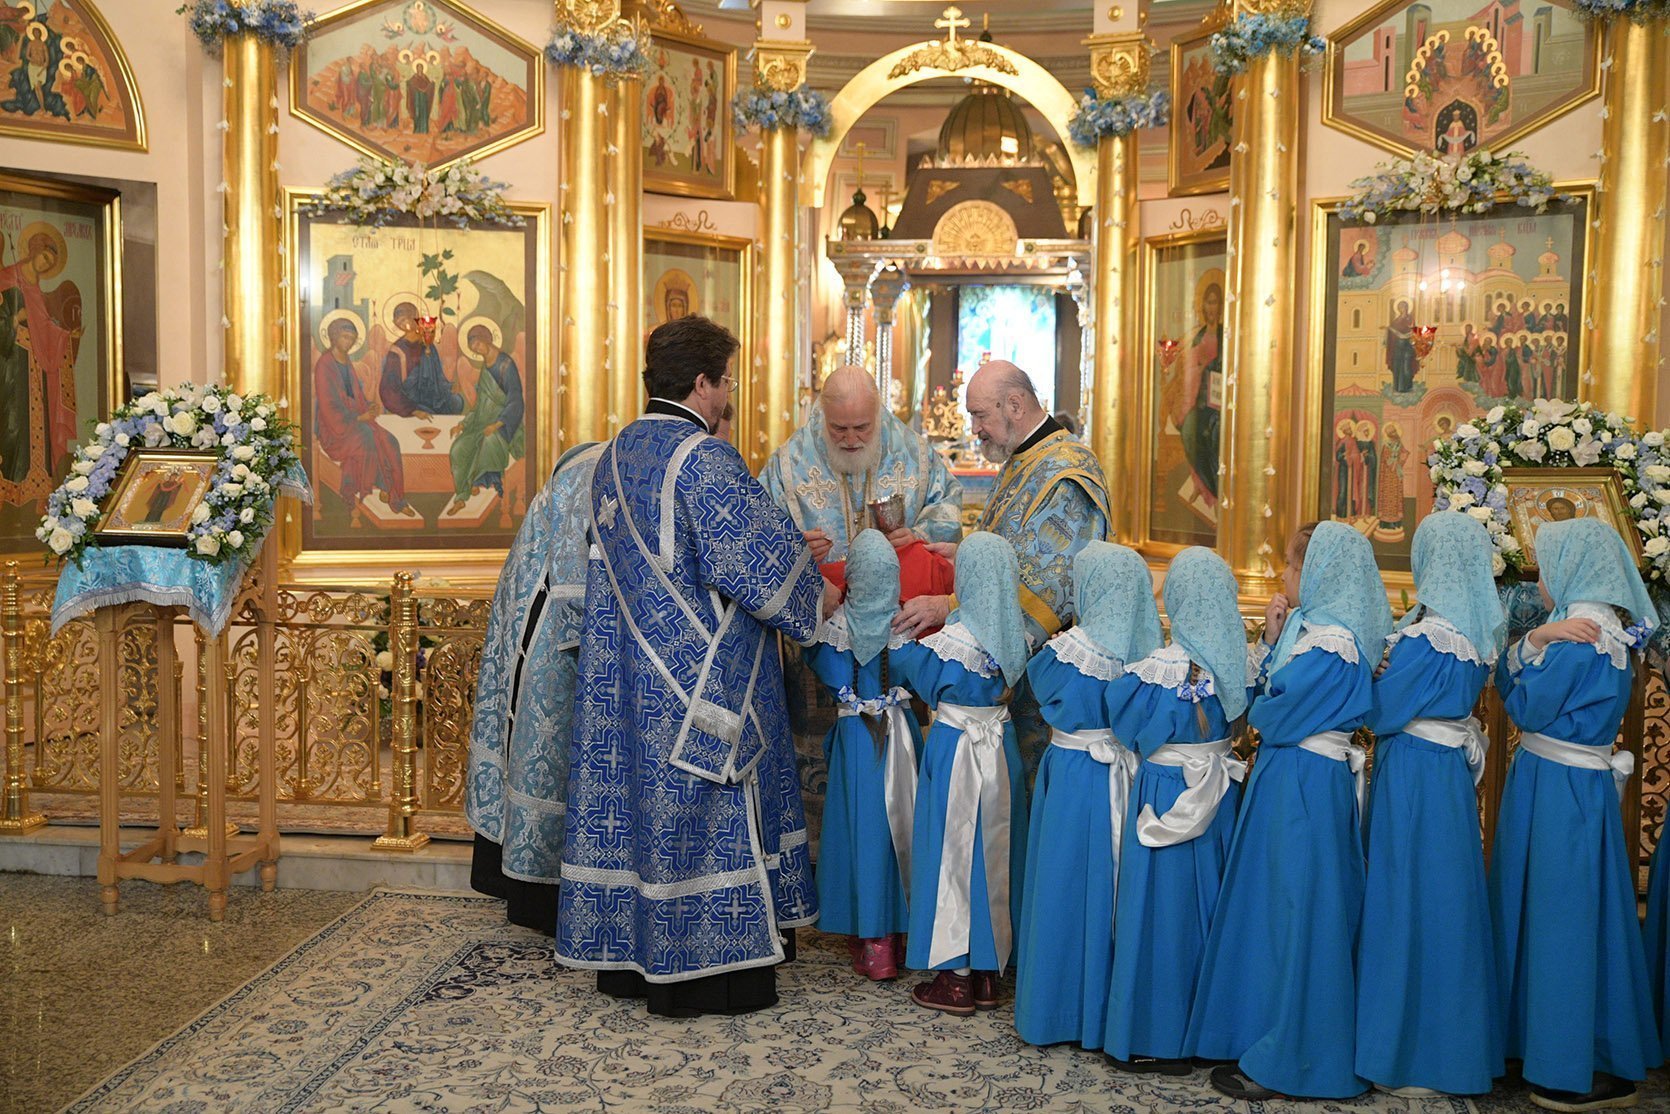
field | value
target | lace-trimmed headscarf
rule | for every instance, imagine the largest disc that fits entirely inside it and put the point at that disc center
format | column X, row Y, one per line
column 1451, row 559
column 1339, row 586
column 1202, row 602
column 1583, row 560
column 1113, row 596
column 872, row 594
column 988, row 601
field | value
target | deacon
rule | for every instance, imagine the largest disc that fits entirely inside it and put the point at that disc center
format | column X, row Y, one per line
column 853, row 452
column 685, row 856
column 524, row 703
column 1049, row 501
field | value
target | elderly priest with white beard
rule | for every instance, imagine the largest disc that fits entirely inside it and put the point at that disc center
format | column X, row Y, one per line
column 852, row 452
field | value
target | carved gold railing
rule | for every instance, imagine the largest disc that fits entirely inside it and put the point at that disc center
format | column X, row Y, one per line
column 371, row 694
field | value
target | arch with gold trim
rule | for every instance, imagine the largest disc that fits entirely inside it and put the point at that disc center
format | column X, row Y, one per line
column 927, row 60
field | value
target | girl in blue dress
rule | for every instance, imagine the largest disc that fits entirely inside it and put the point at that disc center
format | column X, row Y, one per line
column 1562, row 893
column 969, row 844
column 864, row 855
column 1181, row 709
column 1065, row 942
column 1427, row 1006
column 1278, row 990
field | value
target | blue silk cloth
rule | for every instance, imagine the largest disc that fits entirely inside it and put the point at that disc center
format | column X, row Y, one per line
column 684, row 847
column 1167, row 895
column 802, row 481
column 1428, row 1005
column 1064, row 942
column 524, row 702
column 118, row 574
column 1287, row 1009
column 1570, row 963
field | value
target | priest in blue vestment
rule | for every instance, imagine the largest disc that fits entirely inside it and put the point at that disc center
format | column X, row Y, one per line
column 685, row 857
column 524, row 701
column 1049, row 501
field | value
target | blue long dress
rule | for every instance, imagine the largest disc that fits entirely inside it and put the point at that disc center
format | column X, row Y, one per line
column 1064, row 943
column 1657, row 933
column 939, row 681
column 1277, row 986
column 1562, row 893
column 860, row 892
column 1167, row 895
column 1427, row 1004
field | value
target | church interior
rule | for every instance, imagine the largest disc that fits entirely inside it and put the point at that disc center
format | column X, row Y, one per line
column 1272, row 261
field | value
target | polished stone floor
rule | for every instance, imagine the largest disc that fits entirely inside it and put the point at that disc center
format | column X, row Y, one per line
column 82, row 994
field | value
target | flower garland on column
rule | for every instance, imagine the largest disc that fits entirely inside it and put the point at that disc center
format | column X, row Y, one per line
column 1252, row 36
column 615, row 52
column 801, row 108
column 1636, row 11
column 282, row 24
column 1116, row 115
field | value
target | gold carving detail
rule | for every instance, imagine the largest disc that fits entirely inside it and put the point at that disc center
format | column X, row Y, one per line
column 684, row 222
column 1279, row 9
column 1022, row 190
column 589, row 17
column 975, row 230
column 958, row 54
column 664, row 15
column 938, row 188
column 780, row 66
column 1186, row 220
column 1119, row 64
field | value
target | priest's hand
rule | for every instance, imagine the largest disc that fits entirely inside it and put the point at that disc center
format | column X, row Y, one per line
column 947, row 550
column 902, row 537
column 820, row 544
column 923, row 613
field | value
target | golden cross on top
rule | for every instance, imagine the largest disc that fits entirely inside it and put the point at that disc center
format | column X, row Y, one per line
column 951, row 20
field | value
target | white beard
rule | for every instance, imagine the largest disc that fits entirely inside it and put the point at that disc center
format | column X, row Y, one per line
column 994, row 452
column 853, row 463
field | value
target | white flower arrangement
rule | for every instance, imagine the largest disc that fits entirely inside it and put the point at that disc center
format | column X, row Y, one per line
column 256, row 447
column 1432, row 184
column 375, row 192
column 1467, row 469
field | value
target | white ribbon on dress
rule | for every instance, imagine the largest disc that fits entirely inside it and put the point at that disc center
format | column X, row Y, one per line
column 1467, row 735
column 978, row 791
column 1122, row 764
column 1621, row 764
column 1208, row 768
column 1338, row 746
column 898, row 785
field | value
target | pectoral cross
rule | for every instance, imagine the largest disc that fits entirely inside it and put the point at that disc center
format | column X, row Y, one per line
column 951, row 21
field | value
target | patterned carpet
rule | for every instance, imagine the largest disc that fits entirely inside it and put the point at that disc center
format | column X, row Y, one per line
column 432, row 1002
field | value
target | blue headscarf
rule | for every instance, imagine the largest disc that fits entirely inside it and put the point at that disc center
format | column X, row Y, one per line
column 1339, row 586
column 872, row 594
column 1451, row 560
column 1113, row 593
column 988, row 601
column 1202, row 601
column 1583, row 560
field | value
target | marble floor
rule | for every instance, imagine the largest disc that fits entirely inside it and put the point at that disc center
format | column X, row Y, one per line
column 82, row 994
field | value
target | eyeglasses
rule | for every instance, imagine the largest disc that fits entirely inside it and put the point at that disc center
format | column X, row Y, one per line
column 730, row 381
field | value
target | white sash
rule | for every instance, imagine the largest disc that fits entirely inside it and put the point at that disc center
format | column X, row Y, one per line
column 1208, row 768
column 898, row 786
column 1122, row 766
column 979, row 791
column 1621, row 764
column 1338, row 746
column 1464, row 734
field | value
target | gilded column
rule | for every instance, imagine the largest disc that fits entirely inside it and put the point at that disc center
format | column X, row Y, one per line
column 402, row 834
column 1254, row 517
column 15, row 817
column 584, row 294
column 1624, row 352
column 624, row 213
column 779, row 368
column 253, row 248
column 1119, row 68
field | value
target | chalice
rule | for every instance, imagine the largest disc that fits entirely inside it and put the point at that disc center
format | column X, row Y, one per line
column 888, row 514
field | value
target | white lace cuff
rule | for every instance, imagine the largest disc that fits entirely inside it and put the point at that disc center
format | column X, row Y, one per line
column 1613, row 644
column 1334, row 640
column 1258, row 652
column 956, row 643
column 837, row 635
column 1075, row 648
column 1443, row 636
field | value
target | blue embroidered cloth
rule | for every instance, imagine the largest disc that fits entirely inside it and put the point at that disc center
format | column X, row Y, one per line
column 115, row 574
